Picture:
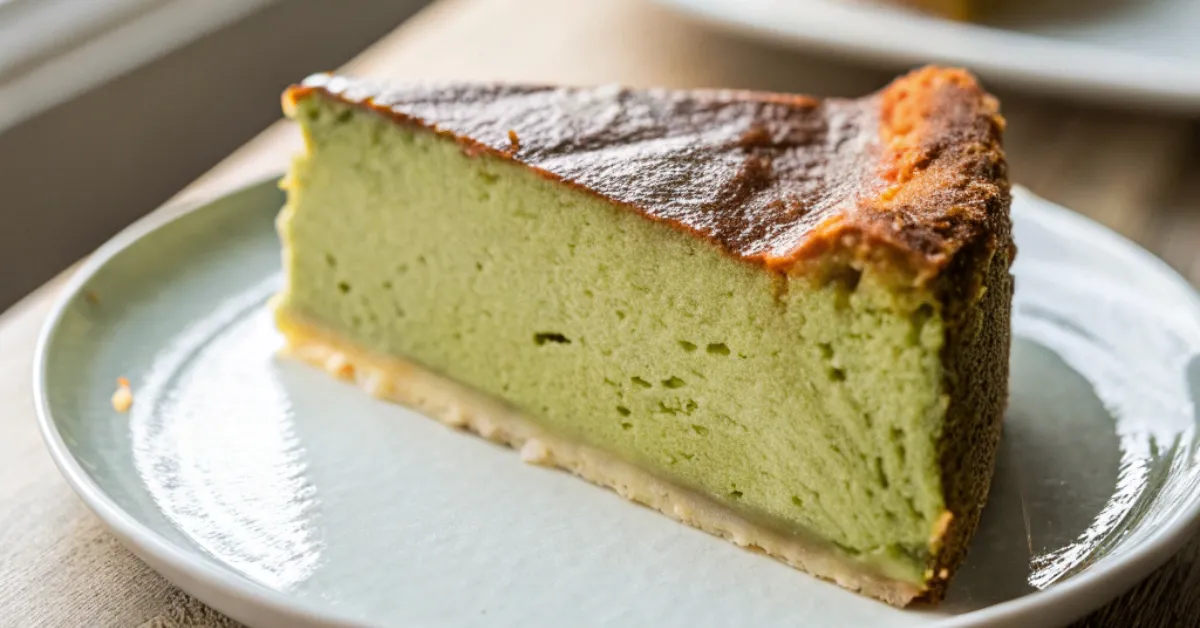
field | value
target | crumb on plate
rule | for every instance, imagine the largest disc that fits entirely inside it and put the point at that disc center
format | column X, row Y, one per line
column 123, row 397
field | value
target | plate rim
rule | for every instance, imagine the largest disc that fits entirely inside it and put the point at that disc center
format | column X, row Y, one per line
column 141, row 539
column 1082, row 71
column 1084, row 592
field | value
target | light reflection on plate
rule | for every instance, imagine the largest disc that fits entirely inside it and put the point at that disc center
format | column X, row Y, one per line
column 214, row 442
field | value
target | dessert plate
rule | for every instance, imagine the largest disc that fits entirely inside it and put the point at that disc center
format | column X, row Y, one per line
column 285, row 498
column 1143, row 53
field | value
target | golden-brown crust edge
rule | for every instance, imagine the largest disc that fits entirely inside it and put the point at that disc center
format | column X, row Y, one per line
column 943, row 180
column 940, row 174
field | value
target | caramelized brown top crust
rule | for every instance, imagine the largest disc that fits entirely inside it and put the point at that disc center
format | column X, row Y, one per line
column 910, row 175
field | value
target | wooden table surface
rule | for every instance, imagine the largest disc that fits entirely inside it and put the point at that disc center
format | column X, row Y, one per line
column 1137, row 173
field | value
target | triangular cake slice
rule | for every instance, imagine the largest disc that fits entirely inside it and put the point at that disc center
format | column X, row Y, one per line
column 780, row 320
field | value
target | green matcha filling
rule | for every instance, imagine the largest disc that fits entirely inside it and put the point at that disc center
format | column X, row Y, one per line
column 814, row 406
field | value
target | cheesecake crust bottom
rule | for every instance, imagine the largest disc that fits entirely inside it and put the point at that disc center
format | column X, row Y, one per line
column 458, row 406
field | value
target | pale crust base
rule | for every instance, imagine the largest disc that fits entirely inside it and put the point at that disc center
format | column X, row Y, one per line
column 455, row 405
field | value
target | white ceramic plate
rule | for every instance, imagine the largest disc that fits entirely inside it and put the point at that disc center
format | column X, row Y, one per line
column 283, row 497
column 1144, row 53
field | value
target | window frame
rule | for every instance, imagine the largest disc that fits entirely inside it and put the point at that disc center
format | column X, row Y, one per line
column 54, row 50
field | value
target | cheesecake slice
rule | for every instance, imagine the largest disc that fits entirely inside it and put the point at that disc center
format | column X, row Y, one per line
column 781, row 320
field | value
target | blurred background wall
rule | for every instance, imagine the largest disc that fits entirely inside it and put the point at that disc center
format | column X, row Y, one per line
column 78, row 172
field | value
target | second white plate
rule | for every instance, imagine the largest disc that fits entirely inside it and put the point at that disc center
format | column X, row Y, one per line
column 1142, row 53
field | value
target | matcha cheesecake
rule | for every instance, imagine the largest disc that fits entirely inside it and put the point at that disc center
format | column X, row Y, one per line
column 781, row 320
